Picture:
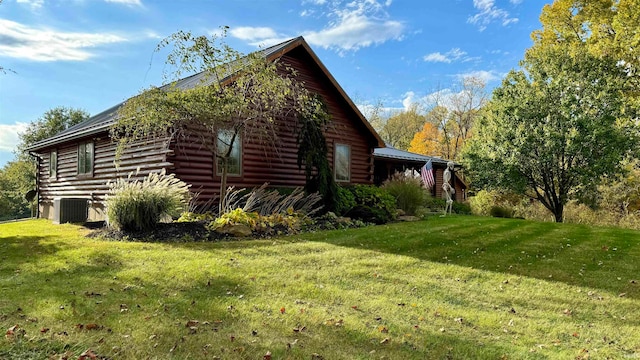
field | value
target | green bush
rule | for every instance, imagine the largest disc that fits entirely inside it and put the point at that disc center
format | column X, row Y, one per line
column 345, row 201
column 140, row 205
column 408, row 191
column 461, row 208
column 435, row 204
column 373, row 204
column 501, row 212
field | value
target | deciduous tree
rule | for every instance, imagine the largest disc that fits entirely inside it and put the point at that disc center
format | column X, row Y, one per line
column 554, row 127
column 400, row 128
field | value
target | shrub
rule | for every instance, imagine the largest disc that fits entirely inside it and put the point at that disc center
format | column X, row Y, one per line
column 139, row 205
column 461, row 208
column 408, row 191
column 501, row 212
column 236, row 217
column 345, row 201
column 373, row 204
column 435, row 204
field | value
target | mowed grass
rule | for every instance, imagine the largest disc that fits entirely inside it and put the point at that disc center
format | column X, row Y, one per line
column 459, row 287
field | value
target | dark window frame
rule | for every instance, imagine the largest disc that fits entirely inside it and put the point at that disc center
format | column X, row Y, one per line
column 85, row 160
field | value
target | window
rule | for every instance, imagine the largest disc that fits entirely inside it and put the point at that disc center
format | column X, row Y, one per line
column 234, row 164
column 85, row 158
column 342, row 162
column 53, row 164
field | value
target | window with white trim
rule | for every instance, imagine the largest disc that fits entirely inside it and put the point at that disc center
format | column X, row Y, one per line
column 85, row 158
column 342, row 163
column 234, row 163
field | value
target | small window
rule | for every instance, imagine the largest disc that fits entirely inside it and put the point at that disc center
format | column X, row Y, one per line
column 342, row 163
column 234, row 164
column 53, row 164
column 85, row 158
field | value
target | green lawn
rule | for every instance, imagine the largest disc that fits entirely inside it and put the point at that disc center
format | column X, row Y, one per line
column 459, row 287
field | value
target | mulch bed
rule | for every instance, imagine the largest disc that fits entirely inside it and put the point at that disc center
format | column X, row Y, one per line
column 171, row 232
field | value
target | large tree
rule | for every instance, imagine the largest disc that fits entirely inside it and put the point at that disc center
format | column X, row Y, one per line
column 237, row 96
column 50, row 123
column 18, row 177
column 556, row 127
column 608, row 28
column 400, row 128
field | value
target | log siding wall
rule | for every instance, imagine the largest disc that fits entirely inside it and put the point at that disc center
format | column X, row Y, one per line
column 146, row 156
column 196, row 165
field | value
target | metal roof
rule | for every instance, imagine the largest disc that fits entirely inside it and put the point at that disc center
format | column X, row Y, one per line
column 102, row 121
column 392, row 153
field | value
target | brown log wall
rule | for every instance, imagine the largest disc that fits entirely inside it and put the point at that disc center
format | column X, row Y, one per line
column 146, row 157
column 196, row 165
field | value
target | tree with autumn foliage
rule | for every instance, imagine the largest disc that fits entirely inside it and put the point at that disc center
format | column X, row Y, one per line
column 400, row 128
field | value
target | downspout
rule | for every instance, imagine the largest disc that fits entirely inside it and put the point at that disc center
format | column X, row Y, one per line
column 37, row 183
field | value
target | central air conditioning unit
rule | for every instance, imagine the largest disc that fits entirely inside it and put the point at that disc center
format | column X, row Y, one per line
column 70, row 210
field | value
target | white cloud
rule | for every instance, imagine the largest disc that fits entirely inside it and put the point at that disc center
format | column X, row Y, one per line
column 515, row 2
column 351, row 26
column 34, row 4
column 488, row 12
column 360, row 23
column 9, row 135
column 252, row 34
column 126, row 2
column 448, row 57
column 41, row 44
column 486, row 76
column 409, row 100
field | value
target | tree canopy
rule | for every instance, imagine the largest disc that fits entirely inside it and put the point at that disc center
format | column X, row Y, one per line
column 554, row 128
column 49, row 124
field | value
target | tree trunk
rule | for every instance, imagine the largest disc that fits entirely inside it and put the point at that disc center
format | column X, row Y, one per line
column 223, row 184
column 558, row 212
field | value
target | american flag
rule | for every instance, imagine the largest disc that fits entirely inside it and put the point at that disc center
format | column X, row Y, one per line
column 426, row 173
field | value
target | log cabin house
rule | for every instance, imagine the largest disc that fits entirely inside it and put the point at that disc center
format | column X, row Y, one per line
column 75, row 166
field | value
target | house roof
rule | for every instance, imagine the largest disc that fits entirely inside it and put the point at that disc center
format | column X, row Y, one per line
column 391, row 153
column 103, row 121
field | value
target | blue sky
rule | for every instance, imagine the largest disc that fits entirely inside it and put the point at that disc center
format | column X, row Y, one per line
column 93, row 54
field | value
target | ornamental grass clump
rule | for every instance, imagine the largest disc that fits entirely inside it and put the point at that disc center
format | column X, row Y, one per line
column 409, row 193
column 135, row 205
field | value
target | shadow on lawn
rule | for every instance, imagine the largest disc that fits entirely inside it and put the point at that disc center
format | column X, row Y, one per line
column 573, row 254
column 16, row 250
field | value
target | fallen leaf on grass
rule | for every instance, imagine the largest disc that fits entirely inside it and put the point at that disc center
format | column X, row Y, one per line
column 622, row 295
column 44, row 330
column 88, row 355
column 385, row 340
column 567, row 312
column 299, row 328
column 191, row 323
column 267, row 356
column 282, row 310
column 14, row 331
column 383, row 329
